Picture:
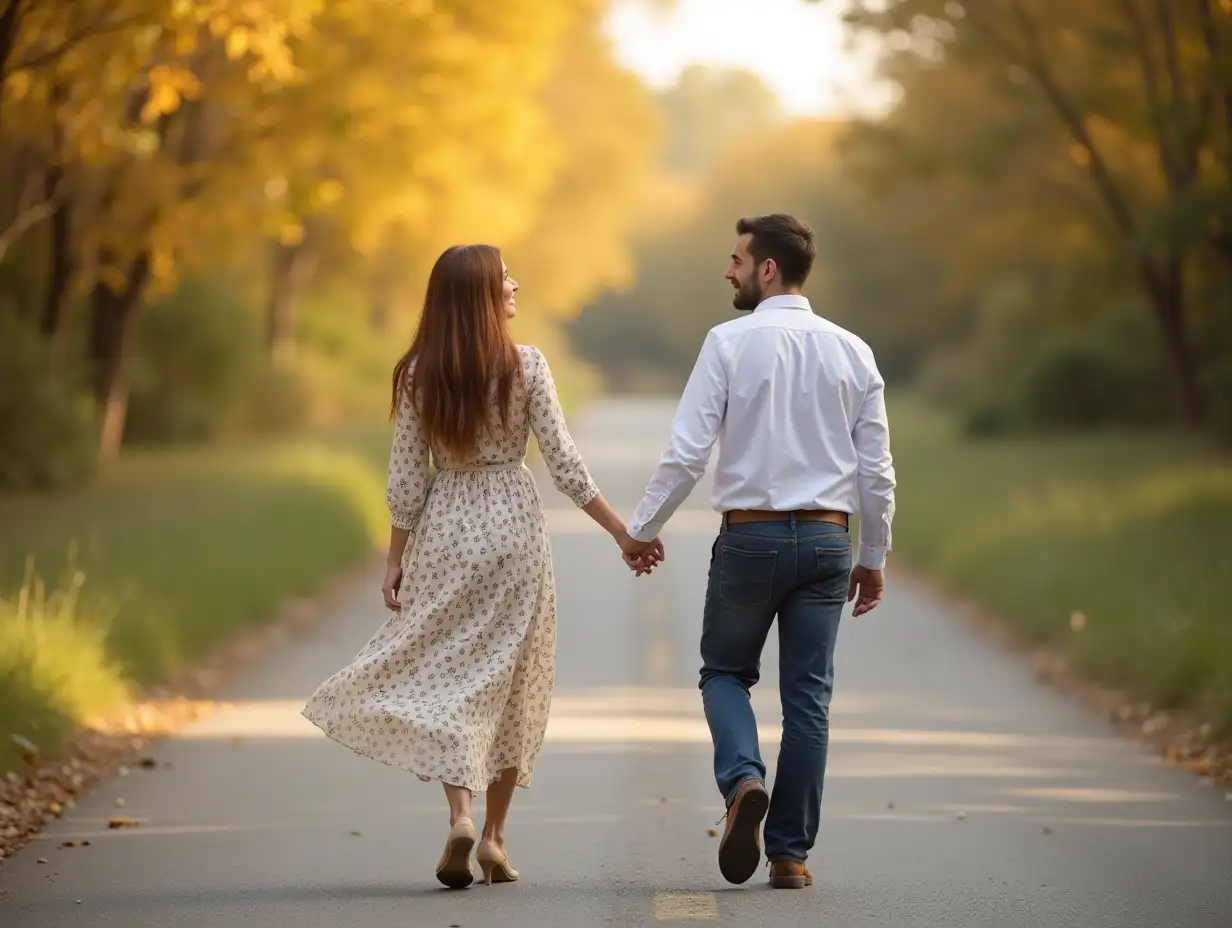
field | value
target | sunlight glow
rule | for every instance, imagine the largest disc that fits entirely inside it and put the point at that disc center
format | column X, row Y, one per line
column 799, row 49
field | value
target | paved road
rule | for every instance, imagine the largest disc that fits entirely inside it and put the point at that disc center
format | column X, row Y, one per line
column 960, row 793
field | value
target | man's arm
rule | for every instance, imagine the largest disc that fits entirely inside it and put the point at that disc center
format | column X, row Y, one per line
column 875, row 477
column 695, row 429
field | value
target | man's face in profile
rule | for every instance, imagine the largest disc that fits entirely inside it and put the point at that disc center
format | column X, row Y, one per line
column 742, row 274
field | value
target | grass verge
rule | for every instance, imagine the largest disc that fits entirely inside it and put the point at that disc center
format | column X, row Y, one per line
column 1113, row 548
column 166, row 556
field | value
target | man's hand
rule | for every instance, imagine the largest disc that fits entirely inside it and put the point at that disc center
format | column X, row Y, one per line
column 641, row 557
column 870, row 584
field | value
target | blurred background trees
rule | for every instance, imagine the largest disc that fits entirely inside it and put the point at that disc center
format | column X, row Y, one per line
column 217, row 216
column 1037, row 232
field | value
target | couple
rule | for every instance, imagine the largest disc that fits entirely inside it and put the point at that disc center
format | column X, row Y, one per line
column 456, row 685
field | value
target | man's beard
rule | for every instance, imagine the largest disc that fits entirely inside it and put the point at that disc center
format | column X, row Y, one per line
column 749, row 295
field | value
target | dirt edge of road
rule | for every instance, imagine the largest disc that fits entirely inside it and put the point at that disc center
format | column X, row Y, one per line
column 1180, row 738
column 44, row 790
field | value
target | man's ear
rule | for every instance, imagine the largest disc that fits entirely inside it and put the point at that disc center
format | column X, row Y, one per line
column 769, row 269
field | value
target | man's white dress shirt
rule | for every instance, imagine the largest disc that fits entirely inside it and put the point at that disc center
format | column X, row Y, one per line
column 797, row 406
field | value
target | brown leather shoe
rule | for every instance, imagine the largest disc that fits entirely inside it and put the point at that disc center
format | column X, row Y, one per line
column 789, row 874
column 740, row 848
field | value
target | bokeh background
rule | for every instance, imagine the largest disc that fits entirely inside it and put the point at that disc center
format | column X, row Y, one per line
column 217, row 217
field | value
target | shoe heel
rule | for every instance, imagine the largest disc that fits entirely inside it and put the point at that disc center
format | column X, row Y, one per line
column 454, row 869
column 487, row 867
column 494, row 864
column 788, row 882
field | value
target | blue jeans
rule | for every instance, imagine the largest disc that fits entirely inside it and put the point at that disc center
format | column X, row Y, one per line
column 798, row 571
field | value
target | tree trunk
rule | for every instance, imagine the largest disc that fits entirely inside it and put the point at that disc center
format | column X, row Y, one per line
column 1166, row 289
column 60, row 272
column 9, row 20
column 112, row 314
column 288, row 270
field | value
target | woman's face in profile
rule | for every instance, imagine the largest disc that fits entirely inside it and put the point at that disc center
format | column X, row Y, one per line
column 510, row 288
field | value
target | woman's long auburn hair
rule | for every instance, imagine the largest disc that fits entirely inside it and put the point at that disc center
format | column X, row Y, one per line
column 461, row 350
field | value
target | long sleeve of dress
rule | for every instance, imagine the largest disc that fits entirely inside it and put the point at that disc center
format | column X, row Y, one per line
column 409, row 476
column 547, row 421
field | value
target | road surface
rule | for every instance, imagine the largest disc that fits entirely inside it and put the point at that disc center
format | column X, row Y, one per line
column 960, row 793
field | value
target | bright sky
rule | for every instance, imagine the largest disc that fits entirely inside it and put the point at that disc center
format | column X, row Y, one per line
column 797, row 48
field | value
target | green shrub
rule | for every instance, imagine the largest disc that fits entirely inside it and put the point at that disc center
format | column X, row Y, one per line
column 1075, row 382
column 47, row 432
column 987, row 419
column 197, row 352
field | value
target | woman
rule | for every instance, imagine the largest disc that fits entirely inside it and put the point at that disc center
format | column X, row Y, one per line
column 456, row 685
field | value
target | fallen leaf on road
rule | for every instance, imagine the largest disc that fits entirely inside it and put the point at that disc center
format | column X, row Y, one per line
column 74, row 844
column 122, row 823
column 356, row 834
column 29, row 753
column 119, row 801
column 961, row 816
column 149, row 763
column 713, row 832
column 889, row 805
column 41, row 860
column 1047, row 830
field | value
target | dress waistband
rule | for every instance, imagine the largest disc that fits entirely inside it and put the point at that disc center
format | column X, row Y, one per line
column 469, row 468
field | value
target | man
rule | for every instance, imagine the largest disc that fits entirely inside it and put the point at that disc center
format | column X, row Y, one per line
column 797, row 406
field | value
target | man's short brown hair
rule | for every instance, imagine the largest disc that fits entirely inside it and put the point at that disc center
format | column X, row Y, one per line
column 783, row 238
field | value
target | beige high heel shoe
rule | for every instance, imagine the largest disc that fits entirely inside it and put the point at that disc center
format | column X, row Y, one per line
column 494, row 863
column 454, row 869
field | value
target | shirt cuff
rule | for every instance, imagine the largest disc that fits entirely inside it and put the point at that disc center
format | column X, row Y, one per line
column 872, row 556
column 648, row 532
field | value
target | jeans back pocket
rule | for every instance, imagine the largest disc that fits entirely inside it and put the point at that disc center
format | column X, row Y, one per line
column 746, row 578
column 833, row 562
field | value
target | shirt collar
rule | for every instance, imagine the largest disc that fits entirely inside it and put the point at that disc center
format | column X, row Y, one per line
column 785, row 301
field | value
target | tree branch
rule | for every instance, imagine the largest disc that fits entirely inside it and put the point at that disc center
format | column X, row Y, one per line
column 1151, row 85
column 1166, row 18
column 101, row 26
column 1039, row 64
column 32, row 208
column 1214, row 52
column 9, row 21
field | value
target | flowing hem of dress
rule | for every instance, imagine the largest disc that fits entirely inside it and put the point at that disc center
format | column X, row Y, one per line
column 331, row 732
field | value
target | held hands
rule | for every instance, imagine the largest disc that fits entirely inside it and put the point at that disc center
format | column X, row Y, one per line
column 870, row 584
column 641, row 557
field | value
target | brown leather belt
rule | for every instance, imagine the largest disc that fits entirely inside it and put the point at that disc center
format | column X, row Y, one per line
column 745, row 516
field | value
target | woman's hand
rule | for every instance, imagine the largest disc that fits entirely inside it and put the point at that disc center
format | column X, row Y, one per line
column 640, row 556
column 389, row 586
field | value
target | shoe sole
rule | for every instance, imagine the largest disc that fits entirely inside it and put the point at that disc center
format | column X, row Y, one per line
column 456, row 872
column 740, row 852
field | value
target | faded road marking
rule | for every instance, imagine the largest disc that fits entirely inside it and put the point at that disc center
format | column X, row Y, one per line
column 681, row 907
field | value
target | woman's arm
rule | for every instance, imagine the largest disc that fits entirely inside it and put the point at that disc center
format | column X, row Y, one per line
column 406, row 490
column 564, row 462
